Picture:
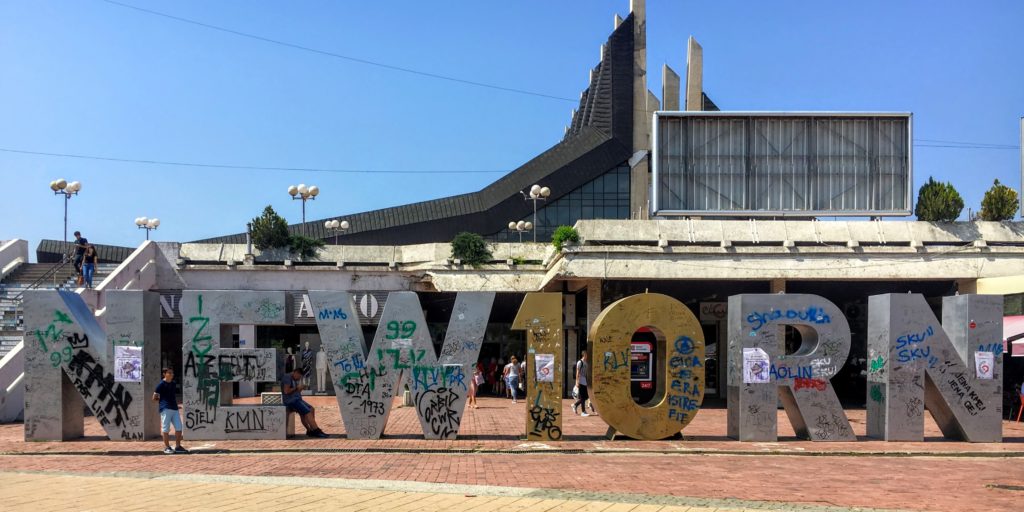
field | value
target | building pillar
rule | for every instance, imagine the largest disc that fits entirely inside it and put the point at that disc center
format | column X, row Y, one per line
column 669, row 88
column 966, row 286
column 694, row 76
column 778, row 286
column 246, row 339
column 640, row 181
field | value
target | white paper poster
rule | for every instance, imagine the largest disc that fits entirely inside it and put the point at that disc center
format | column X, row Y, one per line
column 985, row 364
column 755, row 366
column 127, row 364
column 545, row 365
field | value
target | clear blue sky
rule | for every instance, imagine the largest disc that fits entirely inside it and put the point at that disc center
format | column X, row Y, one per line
column 92, row 78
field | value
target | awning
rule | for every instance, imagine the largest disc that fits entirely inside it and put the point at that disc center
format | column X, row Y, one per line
column 1013, row 334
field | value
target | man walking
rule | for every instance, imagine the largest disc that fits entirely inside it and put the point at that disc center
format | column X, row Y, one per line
column 581, row 384
column 80, row 245
column 165, row 394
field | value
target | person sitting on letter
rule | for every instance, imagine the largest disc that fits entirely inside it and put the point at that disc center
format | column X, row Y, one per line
column 291, row 392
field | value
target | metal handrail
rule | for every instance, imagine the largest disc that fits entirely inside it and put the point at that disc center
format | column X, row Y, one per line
column 49, row 273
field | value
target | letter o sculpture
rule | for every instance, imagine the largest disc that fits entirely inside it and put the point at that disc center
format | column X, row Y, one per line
column 682, row 367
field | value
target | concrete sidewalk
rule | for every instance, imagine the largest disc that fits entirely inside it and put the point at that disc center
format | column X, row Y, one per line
column 703, row 468
column 228, row 493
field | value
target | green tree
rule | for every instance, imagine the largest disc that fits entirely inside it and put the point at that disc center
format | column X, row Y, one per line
column 470, row 248
column 938, row 202
column 270, row 231
column 1000, row 203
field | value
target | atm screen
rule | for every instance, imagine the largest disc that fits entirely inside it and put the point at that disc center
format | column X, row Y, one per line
column 640, row 361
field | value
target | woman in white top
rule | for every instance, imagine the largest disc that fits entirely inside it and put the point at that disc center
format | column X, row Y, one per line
column 511, row 376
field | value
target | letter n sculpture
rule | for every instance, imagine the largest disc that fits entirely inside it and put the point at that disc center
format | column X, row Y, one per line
column 70, row 357
column 953, row 369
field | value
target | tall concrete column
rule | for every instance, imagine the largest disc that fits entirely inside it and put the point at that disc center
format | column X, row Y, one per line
column 246, row 339
column 669, row 88
column 593, row 303
column 694, row 75
column 640, row 181
column 593, row 310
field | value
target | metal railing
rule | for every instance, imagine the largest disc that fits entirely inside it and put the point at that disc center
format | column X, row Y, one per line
column 49, row 273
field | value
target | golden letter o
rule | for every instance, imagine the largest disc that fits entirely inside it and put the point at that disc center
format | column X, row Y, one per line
column 682, row 366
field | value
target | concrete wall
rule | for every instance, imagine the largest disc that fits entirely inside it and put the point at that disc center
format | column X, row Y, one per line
column 998, row 285
column 12, row 253
column 916, row 363
column 405, row 255
column 12, row 385
column 760, row 373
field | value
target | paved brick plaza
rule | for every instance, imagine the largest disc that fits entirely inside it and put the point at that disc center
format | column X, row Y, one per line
column 933, row 475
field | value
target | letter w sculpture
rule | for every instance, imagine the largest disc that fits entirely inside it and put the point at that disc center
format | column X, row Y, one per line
column 365, row 382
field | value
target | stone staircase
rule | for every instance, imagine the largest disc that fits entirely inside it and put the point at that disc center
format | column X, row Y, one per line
column 34, row 276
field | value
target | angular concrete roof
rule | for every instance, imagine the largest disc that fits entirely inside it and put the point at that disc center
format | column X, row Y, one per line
column 599, row 138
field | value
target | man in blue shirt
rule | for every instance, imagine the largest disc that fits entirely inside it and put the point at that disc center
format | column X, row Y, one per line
column 165, row 394
column 291, row 392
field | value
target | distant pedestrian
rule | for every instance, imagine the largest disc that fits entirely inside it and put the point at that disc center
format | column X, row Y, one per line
column 581, row 384
column 80, row 243
column 499, row 378
column 291, row 392
column 511, row 377
column 89, row 261
column 474, row 386
column 168, row 399
column 492, row 376
column 522, row 377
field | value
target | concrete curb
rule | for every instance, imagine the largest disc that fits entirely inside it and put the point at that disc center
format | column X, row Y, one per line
column 552, row 451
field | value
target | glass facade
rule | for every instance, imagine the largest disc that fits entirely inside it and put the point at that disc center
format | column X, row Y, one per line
column 605, row 197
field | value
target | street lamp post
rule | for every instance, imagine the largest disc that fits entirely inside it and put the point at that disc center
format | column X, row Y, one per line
column 62, row 187
column 303, row 193
column 537, row 193
column 337, row 226
column 147, row 224
column 520, row 227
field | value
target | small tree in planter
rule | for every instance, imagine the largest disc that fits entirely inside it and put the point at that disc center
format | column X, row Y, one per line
column 1000, row 203
column 938, row 202
column 564, row 235
column 270, row 231
column 470, row 248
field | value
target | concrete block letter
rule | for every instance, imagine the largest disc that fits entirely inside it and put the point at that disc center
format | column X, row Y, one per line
column 540, row 315
column 760, row 372
column 70, row 358
column 365, row 381
column 915, row 363
column 210, row 368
